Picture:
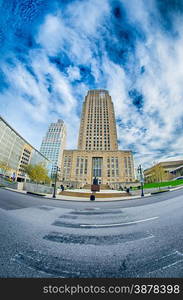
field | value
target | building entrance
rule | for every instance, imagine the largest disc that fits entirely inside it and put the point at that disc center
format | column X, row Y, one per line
column 97, row 168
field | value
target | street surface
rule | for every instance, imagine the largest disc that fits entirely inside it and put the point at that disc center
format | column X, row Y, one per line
column 52, row 238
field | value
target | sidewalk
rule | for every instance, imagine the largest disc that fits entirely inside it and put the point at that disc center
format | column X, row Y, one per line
column 176, row 188
column 84, row 199
column 65, row 198
column 80, row 199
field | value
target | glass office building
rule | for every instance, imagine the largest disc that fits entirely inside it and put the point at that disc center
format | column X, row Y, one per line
column 53, row 144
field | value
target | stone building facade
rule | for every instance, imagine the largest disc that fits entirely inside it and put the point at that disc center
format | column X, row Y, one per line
column 97, row 154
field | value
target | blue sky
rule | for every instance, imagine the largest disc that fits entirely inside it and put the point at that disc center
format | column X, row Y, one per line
column 53, row 51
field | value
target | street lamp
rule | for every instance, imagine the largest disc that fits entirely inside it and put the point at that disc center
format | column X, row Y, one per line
column 56, row 174
column 139, row 169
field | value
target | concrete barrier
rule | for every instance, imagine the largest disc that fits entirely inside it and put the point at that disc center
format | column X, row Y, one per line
column 37, row 188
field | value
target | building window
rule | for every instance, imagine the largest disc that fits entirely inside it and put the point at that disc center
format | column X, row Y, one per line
column 97, row 166
column 77, row 162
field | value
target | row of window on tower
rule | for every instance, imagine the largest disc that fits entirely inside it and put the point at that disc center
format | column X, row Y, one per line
column 97, row 118
column 53, row 129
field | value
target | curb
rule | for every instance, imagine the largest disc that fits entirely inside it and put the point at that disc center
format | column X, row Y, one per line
column 88, row 200
column 36, row 194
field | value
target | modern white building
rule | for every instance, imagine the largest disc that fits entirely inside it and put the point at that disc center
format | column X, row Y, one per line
column 53, row 145
column 17, row 153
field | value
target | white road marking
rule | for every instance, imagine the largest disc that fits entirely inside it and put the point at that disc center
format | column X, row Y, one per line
column 166, row 267
column 140, row 239
column 172, row 253
column 148, row 237
column 118, row 224
column 179, row 253
column 175, row 263
column 176, row 252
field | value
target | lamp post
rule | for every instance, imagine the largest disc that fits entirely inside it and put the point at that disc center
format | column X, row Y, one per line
column 139, row 169
column 54, row 191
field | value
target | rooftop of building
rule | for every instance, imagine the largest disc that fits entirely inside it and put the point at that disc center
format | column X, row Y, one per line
column 178, row 168
column 98, row 91
column 98, row 151
column 59, row 122
column 166, row 164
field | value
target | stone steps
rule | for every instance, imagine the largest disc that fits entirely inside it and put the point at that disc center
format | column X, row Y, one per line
column 102, row 187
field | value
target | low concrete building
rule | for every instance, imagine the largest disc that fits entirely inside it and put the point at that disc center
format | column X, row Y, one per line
column 167, row 166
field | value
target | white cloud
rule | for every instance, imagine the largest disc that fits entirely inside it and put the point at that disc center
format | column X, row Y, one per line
column 86, row 17
column 51, row 34
column 161, row 85
column 73, row 73
column 78, row 32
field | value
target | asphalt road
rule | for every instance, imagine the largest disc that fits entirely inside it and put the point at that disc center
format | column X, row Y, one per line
column 52, row 238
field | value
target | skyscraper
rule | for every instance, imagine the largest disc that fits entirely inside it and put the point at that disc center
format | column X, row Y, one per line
column 53, row 144
column 97, row 154
column 98, row 126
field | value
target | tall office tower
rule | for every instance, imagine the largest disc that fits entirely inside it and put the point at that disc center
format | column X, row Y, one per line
column 98, row 126
column 97, row 154
column 53, row 145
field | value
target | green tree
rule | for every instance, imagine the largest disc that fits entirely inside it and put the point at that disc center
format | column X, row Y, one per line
column 37, row 173
column 4, row 167
column 47, row 179
column 159, row 173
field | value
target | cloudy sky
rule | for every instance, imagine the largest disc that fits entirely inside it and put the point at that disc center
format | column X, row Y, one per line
column 53, row 51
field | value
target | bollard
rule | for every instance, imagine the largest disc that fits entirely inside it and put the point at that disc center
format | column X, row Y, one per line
column 92, row 197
